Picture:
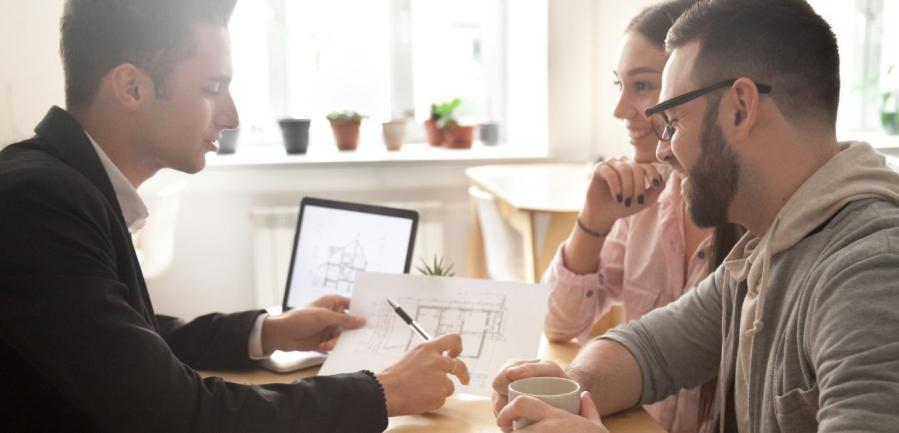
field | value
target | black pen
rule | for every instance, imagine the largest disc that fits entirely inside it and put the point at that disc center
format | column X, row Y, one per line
column 408, row 320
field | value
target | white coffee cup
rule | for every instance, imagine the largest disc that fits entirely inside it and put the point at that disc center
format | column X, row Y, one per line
column 558, row 392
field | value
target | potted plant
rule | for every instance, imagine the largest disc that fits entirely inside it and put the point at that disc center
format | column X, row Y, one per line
column 455, row 135
column 435, row 135
column 296, row 135
column 345, row 125
column 228, row 141
column 394, row 131
column 489, row 133
column 889, row 108
column 434, row 124
column 438, row 268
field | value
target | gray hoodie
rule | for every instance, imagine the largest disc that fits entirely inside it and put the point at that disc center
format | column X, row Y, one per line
column 823, row 282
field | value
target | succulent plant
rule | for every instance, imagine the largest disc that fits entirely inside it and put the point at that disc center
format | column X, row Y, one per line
column 438, row 268
column 346, row 116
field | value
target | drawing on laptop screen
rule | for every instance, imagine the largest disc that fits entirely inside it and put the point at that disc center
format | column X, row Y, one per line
column 335, row 244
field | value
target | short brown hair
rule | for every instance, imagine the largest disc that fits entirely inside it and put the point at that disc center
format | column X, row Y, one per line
column 98, row 35
column 782, row 43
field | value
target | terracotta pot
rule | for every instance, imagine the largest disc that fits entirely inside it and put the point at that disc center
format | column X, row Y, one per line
column 435, row 134
column 346, row 135
column 394, row 133
column 458, row 137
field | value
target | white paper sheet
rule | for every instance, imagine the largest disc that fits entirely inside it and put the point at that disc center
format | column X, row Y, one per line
column 497, row 321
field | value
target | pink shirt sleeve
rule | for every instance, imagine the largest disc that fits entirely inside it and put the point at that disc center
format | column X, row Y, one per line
column 576, row 301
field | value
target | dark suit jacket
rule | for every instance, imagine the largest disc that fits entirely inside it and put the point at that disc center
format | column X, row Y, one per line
column 81, row 347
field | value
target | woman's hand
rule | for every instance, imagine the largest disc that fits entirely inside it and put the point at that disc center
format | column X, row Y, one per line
column 619, row 187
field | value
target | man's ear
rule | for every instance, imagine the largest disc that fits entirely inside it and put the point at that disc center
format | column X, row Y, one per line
column 743, row 105
column 130, row 86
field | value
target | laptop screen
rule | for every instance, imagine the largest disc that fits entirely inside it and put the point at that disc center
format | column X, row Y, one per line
column 334, row 240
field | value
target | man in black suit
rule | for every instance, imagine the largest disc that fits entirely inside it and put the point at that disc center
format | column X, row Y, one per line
column 81, row 347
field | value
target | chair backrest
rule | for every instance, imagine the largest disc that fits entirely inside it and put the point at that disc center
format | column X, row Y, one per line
column 503, row 245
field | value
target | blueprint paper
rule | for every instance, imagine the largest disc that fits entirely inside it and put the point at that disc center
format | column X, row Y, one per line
column 497, row 321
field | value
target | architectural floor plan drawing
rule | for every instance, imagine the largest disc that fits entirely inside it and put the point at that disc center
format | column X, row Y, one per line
column 497, row 321
column 477, row 324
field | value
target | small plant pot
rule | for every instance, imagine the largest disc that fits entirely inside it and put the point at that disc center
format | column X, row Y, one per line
column 346, row 135
column 458, row 137
column 394, row 132
column 296, row 135
column 889, row 112
column 489, row 133
column 435, row 134
column 228, row 142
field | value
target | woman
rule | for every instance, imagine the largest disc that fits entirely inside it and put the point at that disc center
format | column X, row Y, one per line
column 633, row 243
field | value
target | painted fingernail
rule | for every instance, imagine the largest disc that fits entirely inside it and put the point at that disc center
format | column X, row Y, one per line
column 627, row 202
column 619, row 198
column 656, row 183
column 640, row 199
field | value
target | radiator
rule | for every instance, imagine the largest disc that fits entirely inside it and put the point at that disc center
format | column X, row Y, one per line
column 274, row 229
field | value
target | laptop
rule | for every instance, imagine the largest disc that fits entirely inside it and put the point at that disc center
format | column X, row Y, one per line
column 334, row 240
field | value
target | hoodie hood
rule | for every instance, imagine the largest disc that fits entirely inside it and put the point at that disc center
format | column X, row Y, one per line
column 856, row 172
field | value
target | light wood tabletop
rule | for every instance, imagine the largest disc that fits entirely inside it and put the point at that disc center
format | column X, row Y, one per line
column 558, row 187
column 461, row 413
column 540, row 201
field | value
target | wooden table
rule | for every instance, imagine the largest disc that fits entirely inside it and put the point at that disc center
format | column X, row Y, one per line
column 542, row 202
column 462, row 413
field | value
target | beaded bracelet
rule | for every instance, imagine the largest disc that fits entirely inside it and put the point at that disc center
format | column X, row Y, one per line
column 590, row 231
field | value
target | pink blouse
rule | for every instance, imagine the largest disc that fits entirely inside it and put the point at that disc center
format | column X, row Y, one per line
column 642, row 267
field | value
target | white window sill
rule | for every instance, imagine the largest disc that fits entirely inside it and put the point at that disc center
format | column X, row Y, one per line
column 375, row 154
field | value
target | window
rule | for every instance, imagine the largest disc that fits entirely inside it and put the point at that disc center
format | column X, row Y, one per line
column 384, row 58
column 869, row 58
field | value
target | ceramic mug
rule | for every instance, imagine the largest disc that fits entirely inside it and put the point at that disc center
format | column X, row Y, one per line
column 558, row 392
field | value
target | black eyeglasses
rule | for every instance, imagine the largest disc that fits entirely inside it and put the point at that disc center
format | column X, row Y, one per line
column 659, row 120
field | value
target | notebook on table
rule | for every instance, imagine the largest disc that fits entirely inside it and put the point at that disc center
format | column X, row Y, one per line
column 333, row 241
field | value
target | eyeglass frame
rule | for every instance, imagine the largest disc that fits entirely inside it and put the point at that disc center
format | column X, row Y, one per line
column 661, row 107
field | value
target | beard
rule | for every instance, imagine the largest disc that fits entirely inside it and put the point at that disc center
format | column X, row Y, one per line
column 713, row 179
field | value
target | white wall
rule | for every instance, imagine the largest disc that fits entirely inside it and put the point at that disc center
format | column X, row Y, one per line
column 583, row 43
column 31, row 78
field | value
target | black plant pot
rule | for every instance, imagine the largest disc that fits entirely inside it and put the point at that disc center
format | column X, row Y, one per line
column 296, row 135
column 228, row 142
column 489, row 133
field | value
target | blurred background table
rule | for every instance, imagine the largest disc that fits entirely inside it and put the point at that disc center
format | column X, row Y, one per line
column 519, row 216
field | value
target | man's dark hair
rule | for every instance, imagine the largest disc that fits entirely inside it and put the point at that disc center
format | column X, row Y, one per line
column 783, row 43
column 154, row 35
column 655, row 21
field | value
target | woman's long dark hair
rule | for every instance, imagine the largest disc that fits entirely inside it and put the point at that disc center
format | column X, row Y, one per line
column 654, row 23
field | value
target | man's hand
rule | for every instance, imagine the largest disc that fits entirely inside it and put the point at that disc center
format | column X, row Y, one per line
column 419, row 382
column 544, row 418
column 516, row 369
column 315, row 327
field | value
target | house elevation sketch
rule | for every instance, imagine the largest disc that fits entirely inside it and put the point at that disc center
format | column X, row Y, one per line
column 342, row 264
